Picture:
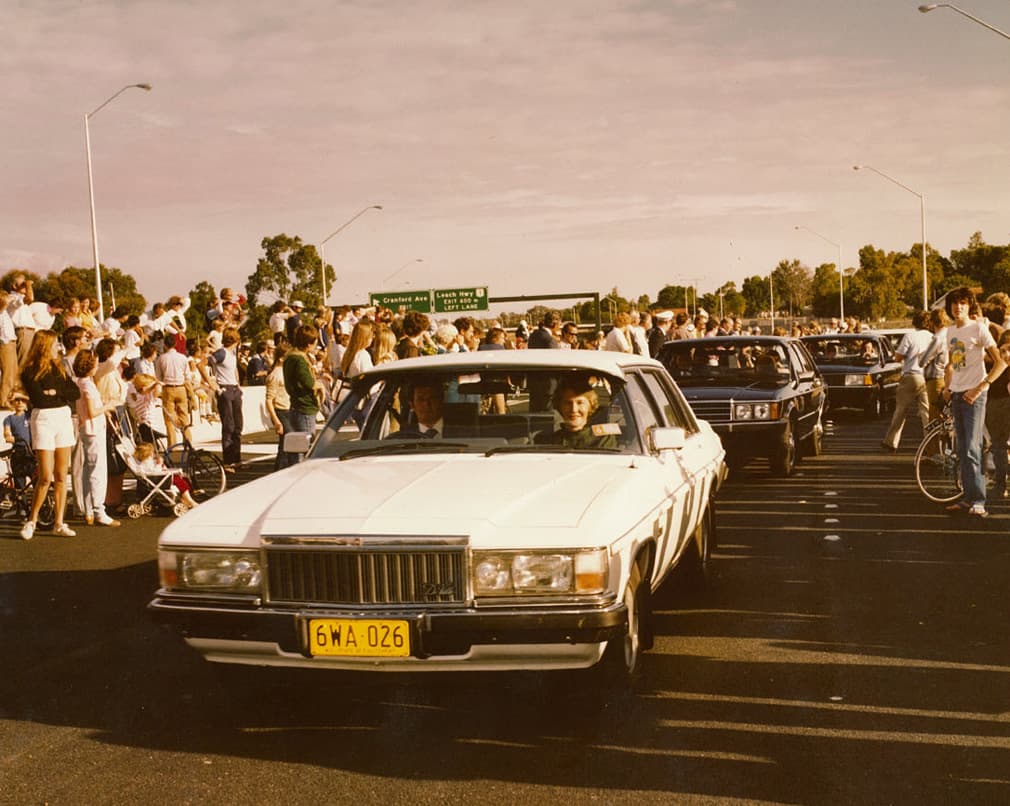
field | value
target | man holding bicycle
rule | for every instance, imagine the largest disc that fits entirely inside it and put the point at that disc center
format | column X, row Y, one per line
column 969, row 343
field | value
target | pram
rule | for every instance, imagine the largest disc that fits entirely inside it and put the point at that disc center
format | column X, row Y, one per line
column 153, row 488
column 17, row 488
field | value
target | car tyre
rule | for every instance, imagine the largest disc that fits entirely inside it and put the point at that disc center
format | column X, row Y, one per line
column 783, row 458
column 875, row 407
column 815, row 442
column 697, row 562
column 622, row 658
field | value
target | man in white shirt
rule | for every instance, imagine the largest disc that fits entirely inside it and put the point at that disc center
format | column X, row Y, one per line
column 8, row 355
column 912, row 386
column 172, row 368
column 19, row 299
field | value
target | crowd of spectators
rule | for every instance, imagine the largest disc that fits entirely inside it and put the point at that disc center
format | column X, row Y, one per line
column 136, row 370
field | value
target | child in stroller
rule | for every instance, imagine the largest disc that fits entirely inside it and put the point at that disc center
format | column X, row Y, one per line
column 167, row 485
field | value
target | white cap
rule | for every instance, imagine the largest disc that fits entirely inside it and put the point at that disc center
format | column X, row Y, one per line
column 664, row 316
column 297, row 304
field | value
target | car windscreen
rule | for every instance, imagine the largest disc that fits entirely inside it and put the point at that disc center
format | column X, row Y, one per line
column 489, row 411
column 834, row 351
column 731, row 363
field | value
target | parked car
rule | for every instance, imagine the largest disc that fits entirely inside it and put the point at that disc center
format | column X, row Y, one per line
column 763, row 395
column 526, row 526
column 859, row 368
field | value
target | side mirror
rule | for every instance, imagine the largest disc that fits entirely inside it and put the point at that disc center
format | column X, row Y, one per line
column 667, row 439
column 297, row 442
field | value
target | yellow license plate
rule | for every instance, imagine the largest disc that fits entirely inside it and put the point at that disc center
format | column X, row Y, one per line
column 359, row 638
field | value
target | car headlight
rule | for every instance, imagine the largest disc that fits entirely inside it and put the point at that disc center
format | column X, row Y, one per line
column 756, row 411
column 222, row 571
column 859, row 380
column 526, row 573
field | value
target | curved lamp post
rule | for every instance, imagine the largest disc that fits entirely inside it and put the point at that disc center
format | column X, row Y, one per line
column 933, row 6
column 408, row 263
column 91, row 191
column 922, row 218
column 337, row 231
column 841, row 282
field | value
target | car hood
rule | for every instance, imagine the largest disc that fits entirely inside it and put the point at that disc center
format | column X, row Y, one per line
column 740, row 393
column 555, row 496
column 853, row 369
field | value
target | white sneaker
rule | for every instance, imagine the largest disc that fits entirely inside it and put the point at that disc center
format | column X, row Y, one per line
column 28, row 530
column 64, row 531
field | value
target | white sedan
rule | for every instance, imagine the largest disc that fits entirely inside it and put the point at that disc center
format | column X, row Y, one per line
column 509, row 509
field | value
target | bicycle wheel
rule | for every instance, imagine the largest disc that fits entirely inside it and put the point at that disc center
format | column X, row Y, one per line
column 937, row 470
column 205, row 473
column 47, row 513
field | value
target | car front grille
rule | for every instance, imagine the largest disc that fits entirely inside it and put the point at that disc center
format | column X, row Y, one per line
column 716, row 411
column 343, row 575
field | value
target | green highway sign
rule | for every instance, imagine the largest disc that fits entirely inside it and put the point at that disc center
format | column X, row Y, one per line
column 411, row 300
column 451, row 300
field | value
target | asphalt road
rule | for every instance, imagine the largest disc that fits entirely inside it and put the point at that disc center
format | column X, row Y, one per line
column 853, row 649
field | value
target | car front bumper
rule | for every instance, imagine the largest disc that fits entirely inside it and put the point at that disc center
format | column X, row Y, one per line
column 750, row 438
column 852, row 397
column 566, row 637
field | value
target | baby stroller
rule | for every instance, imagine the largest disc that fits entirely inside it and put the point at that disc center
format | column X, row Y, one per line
column 154, row 488
column 17, row 488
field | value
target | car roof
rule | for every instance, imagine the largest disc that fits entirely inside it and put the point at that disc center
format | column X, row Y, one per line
column 730, row 339
column 603, row 361
column 866, row 334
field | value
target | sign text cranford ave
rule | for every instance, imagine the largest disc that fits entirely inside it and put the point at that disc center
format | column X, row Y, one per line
column 439, row 300
column 409, row 300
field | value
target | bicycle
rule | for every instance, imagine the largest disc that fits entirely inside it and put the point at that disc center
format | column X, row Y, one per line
column 937, row 468
column 17, row 488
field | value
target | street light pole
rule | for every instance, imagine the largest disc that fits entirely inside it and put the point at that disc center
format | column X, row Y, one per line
column 933, row 6
column 771, row 300
column 337, row 231
column 91, row 190
column 841, row 285
column 922, row 219
column 415, row 260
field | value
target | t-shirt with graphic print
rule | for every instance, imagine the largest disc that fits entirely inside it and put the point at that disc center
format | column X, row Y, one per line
column 966, row 347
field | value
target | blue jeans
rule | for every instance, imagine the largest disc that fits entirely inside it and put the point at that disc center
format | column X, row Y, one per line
column 968, row 423
column 284, row 459
column 229, row 409
column 301, row 421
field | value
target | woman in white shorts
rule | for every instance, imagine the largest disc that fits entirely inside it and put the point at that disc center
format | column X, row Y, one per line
column 52, row 392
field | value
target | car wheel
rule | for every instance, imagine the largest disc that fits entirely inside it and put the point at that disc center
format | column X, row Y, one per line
column 814, row 443
column 875, row 407
column 697, row 562
column 783, row 458
column 622, row 657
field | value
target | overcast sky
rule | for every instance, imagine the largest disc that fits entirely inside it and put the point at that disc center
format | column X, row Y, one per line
column 528, row 146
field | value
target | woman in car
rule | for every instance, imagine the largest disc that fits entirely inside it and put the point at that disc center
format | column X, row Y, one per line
column 576, row 401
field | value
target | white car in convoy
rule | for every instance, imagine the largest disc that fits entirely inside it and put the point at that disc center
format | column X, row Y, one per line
column 507, row 509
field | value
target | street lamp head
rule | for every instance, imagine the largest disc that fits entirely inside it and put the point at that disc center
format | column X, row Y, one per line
column 376, row 207
column 856, row 167
column 930, row 7
column 144, row 87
